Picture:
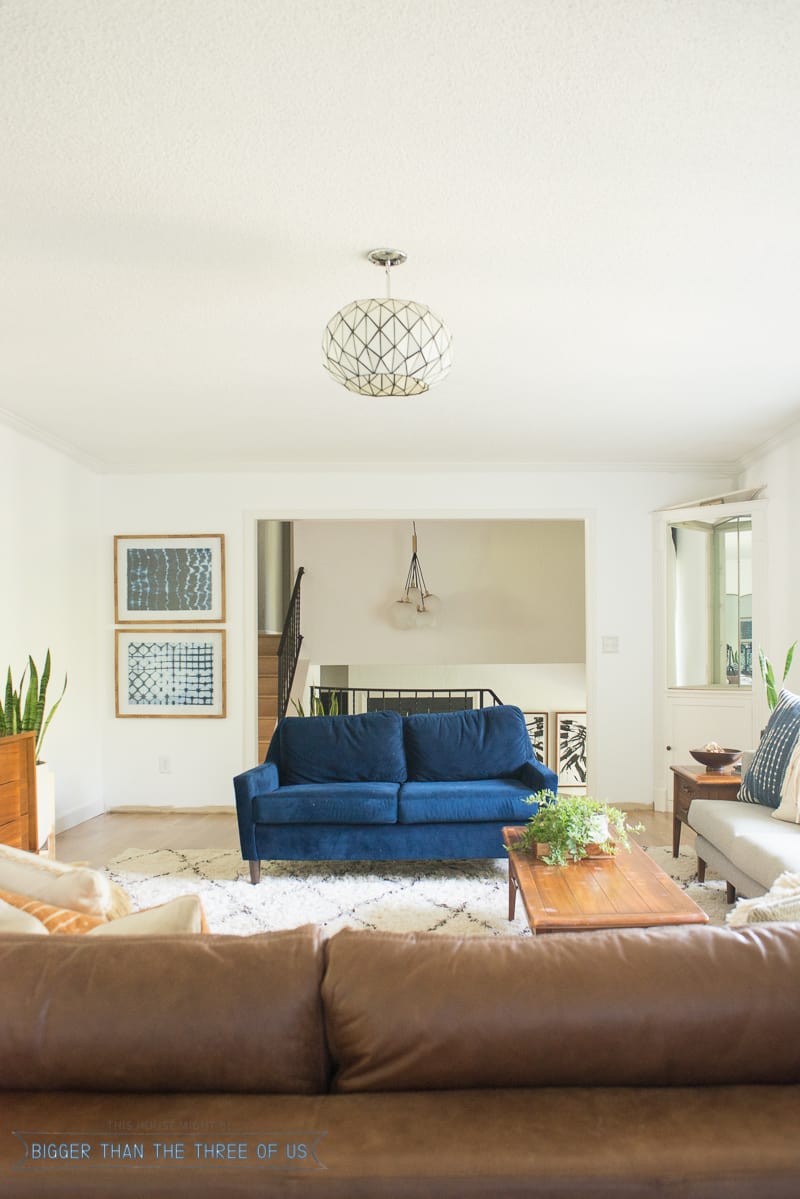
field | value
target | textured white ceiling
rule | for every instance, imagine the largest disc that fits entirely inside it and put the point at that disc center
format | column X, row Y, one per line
column 601, row 197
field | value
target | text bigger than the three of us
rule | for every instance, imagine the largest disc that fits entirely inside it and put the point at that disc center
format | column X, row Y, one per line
column 282, row 1151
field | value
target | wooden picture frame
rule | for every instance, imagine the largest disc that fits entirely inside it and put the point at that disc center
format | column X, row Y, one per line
column 571, row 751
column 537, row 724
column 163, row 579
column 170, row 673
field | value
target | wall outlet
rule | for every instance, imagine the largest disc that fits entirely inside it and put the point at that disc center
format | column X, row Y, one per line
column 164, row 764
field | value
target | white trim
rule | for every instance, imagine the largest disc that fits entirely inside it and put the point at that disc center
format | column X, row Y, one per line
column 75, row 816
column 27, row 429
column 250, row 609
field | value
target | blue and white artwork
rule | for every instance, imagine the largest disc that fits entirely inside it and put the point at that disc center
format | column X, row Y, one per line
column 169, row 579
column 171, row 672
column 163, row 579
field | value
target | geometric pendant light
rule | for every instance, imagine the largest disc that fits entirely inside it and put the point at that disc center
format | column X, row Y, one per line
column 386, row 347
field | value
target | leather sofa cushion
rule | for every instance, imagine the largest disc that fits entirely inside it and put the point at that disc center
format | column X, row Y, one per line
column 554, row 1143
column 163, row 1013
column 680, row 1006
column 489, row 799
column 342, row 749
column 331, row 803
column 486, row 743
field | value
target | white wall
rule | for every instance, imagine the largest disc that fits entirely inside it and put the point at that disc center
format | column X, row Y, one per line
column 511, row 591
column 534, row 687
column 778, row 624
column 49, row 598
column 617, row 509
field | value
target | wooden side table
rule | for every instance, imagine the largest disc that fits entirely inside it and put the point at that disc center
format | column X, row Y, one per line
column 690, row 783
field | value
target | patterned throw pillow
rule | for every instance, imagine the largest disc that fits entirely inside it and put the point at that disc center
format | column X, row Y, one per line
column 55, row 920
column 14, row 920
column 763, row 782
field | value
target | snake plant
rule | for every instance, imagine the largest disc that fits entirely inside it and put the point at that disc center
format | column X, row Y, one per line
column 28, row 715
column 768, row 674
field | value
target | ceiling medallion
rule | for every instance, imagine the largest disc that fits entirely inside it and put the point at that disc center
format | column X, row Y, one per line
column 386, row 347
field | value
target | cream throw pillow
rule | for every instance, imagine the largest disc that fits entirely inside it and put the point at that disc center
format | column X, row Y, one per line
column 789, row 809
column 181, row 915
column 12, row 920
column 64, row 886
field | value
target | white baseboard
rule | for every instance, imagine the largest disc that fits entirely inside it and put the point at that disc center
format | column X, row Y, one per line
column 176, row 809
column 77, row 816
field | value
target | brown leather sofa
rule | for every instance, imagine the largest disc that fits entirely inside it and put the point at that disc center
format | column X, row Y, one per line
column 640, row 1063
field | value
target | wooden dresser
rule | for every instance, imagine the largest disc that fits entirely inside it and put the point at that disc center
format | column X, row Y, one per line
column 18, row 818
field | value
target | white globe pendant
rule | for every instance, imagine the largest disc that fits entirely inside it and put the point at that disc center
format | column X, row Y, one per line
column 386, row 347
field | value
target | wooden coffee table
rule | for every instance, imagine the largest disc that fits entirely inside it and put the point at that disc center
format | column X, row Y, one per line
column 627, row 890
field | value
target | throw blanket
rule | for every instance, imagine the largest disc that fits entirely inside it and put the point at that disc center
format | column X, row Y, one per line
column 781, row 902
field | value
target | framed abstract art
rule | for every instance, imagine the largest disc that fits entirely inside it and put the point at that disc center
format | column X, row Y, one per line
column 170, row 672
column 571, row 751
column 537, row 726
column 170, row 578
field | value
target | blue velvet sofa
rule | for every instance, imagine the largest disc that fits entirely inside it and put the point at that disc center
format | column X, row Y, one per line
column 386, row 787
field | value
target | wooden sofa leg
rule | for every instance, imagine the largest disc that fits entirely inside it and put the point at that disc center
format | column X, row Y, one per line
column 255, row 872
column 701, row 870
column 730, row 893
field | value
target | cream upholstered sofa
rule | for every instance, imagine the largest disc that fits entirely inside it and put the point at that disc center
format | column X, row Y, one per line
column 753, row 840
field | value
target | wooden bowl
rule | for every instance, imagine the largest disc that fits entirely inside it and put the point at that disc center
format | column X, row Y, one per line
column 716, row 762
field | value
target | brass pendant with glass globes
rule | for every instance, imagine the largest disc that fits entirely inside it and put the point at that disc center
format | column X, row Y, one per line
column 417, row 608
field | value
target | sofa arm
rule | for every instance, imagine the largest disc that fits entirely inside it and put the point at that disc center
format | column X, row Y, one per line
column 260, row 780
column 257, row 781
column 537, row 776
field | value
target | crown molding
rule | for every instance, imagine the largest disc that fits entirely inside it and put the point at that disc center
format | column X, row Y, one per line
column 34, row 433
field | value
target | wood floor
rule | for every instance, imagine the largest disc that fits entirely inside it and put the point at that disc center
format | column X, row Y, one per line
column 97, row 841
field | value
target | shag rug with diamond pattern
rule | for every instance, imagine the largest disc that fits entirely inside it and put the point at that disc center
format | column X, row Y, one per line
column 467, row 898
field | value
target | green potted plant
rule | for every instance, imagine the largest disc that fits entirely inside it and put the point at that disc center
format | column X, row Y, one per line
column 18, row 715
column 569, row 824
column 732, row 665
column 768, row 674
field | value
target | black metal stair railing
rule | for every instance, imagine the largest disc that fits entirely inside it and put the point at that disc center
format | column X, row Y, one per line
column 289, row 646
column 406, row 700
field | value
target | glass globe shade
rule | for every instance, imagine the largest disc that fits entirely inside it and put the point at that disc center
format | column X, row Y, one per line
column 403, row 614
column 425, row 619
column 432, row 603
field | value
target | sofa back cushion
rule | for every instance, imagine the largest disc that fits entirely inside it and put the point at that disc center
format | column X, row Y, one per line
column 486, row 743
column 342, row 749
column 679, row 1006
column 764, row 778
column 163, row 1013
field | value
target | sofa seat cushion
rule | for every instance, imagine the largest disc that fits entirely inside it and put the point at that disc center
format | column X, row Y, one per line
column 452, row 803
column 342, row 749
column 334, row 803
column 487, row 743
column 747, row 835
column 504, row 1143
